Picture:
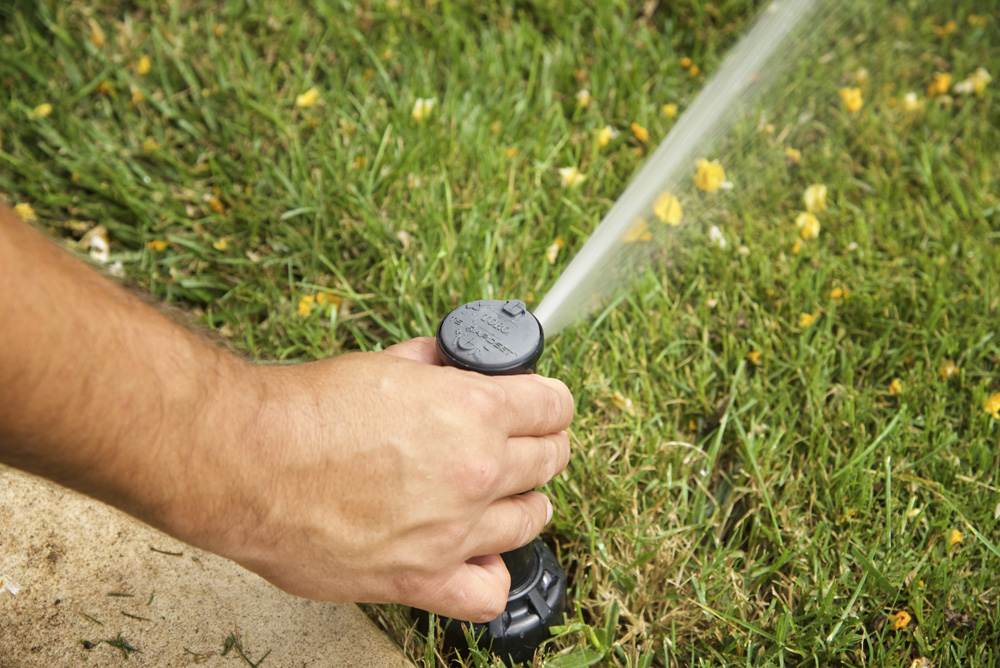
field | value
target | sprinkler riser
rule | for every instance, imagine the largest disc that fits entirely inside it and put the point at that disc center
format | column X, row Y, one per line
column 496, row 337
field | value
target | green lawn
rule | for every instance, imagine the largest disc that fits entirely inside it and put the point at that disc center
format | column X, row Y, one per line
column 747, row 487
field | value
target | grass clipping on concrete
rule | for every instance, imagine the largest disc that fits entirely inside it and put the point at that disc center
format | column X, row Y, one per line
column 786, row 449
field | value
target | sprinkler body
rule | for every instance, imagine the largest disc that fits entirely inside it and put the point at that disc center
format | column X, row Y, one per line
column 498, row 337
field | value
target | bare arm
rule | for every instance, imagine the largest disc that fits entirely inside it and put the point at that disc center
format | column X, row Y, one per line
column 376, row 477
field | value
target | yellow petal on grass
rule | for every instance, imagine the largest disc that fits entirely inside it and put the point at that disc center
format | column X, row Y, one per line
column 977, row 20
column 839, row 293
column 992, row 406
column 42, row 110
column 808, row 225
column 158, row 245
column 921, row 662
column 669, row 110
column 900, row 620
column 806, row 319
column 815, row 198
column 96, row 34
column 605, row 135
column 25, row 212
column 143, row 66
column 912, row 103
column 939, row 85
column 638, row 231
column 422, row 108
column 754, row 357
column 220, row 244
column 895, row 386
column 709, row 175
column 583, row 98
column 511, row 152
column 149, row 145
column 685, row 62
column 552, row 252
column 947, row 369
column 945, row 30
column 852, row 98
column 955, row 537
column 622, row 403
column 641, row 133
column 974, row 84
column 694, row 71
column 308, row 98
column 668, row 209
column 571, row 177
column 793, row 156
column 216, row 205
column 306, row 305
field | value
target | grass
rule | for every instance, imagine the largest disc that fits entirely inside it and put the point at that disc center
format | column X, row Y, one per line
column 734, row 513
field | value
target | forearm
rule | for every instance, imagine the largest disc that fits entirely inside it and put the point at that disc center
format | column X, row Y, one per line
column 98, row 390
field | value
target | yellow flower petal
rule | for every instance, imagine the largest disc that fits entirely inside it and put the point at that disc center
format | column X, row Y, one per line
column 669, row 110
column 571, row 177
column 638, row 231
column 622, row 403
column 852, row 98
column 149, row 145
column 815, row 198
column 808, row 225
column 605, row 135
column 896, row 386
column 685, row 62
column 694, row 71
column 947, row 369
column 308, row 98
column 641, row 133
column 96, row 34
column 806, row 319
column 709, row 175
column 42, row 110
column 900, row 620
column 221, row 244
column 754, row 357
column 552, row 252
column 158, row 245
column 955, row 537
column 25, row 212
column 306, row 305
column 939, row 85
column 793, row 156
column 668, row 209
column 422, row 108
column 583, row 98
column 143, row 66
column 216, row 205
column 992, row 406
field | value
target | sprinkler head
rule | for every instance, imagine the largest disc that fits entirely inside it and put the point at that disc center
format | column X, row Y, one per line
column 491, row 336
column 497, row 337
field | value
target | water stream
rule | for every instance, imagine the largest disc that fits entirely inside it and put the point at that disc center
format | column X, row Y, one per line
column 753, row 66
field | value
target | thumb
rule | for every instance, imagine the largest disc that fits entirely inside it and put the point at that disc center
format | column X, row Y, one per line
column 475, row 592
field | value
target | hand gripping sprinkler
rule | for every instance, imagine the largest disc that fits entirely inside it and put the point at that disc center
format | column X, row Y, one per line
column 499, row 338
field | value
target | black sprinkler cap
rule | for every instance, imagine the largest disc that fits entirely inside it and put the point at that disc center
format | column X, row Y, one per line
column 491, row 336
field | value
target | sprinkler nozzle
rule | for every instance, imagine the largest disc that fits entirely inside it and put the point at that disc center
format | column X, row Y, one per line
column 497, row 337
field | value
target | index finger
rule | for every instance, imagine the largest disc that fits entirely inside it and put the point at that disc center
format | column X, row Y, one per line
column 536, row 405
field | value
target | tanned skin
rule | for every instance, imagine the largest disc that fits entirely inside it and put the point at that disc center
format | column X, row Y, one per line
column 374, row 477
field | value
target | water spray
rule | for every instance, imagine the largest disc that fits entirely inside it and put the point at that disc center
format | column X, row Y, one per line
column 497, row 338
column 747, row 72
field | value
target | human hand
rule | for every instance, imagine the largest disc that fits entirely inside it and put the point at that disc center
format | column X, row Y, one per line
column 385, row 477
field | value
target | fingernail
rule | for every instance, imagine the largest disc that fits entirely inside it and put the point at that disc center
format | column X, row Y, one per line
column 548, row 513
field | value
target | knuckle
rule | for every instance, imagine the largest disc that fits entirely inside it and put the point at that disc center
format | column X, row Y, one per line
column 484, row 399
column 480, row 478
